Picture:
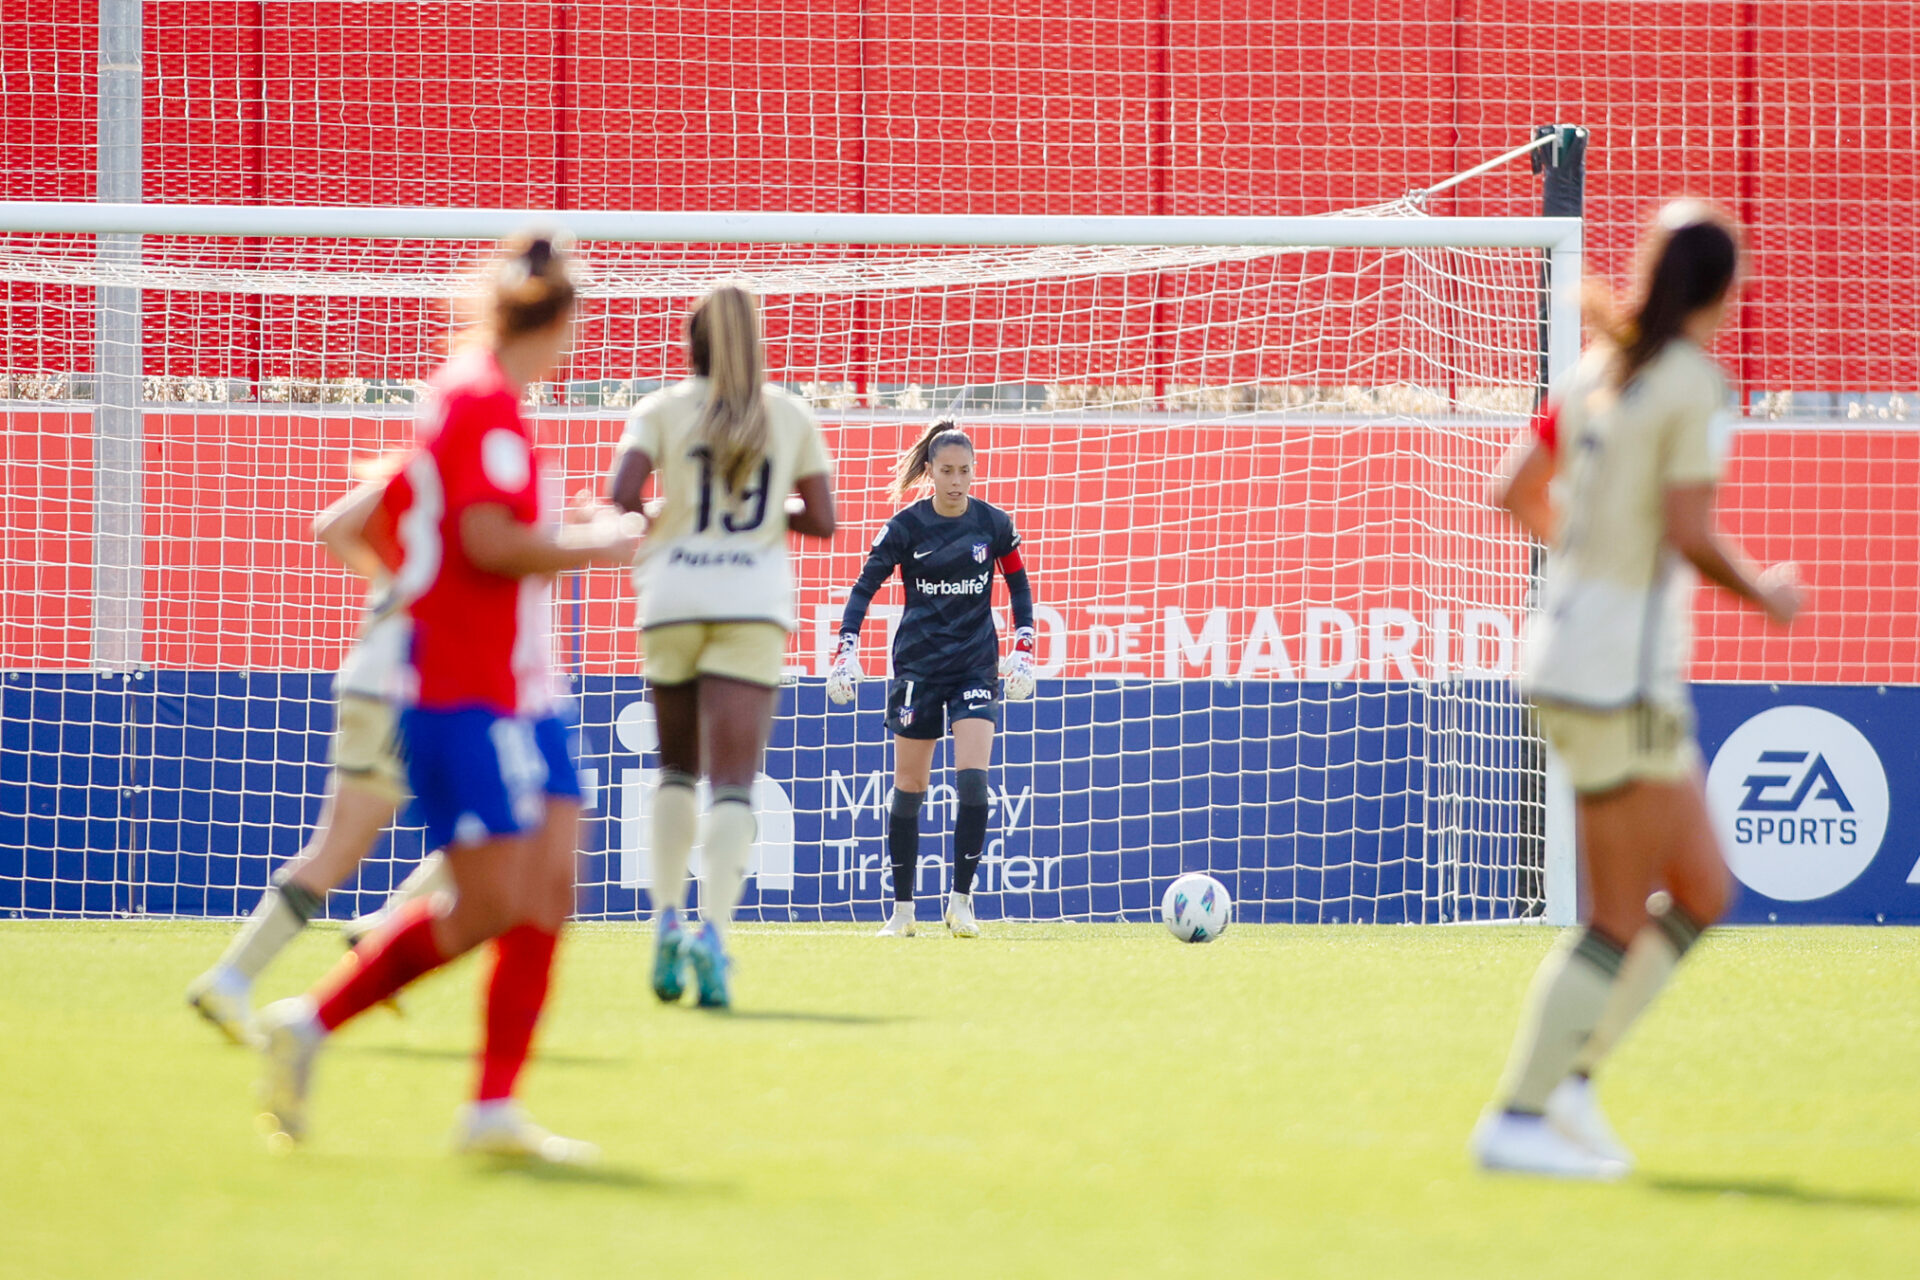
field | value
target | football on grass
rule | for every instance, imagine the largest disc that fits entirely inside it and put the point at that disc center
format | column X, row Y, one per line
column 1196, row 908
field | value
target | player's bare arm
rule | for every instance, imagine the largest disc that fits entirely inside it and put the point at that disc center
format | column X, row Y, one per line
column 1690, row 530
column 1524, row 488
column 341, row 529
column 630, row 481
column 496, row 542
column 816, row 517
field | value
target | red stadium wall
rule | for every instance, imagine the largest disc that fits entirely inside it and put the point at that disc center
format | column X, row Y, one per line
column 46, row 540
column 1800, row 116
column 1125, row 524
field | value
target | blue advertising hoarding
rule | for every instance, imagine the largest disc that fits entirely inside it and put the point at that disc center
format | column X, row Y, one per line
column 175, row 793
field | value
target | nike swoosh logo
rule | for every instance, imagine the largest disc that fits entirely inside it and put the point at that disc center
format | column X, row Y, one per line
column 921, row 555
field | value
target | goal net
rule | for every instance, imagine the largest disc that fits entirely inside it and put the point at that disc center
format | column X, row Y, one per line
column 1277, row 618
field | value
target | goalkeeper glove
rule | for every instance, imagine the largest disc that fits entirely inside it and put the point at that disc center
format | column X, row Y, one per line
column 1018, row 666
column 845, row 671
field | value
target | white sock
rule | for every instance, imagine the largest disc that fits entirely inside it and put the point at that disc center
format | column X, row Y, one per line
column 431, row 876
column 278, row 920
column 493, row 1111
column 1565, row 1002
column 1651, row 960
column 676, row 819
column 726, row 846
column 428, row 877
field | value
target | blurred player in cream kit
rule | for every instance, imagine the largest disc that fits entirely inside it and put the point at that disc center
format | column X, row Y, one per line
column 488, row 759
column 946, row 657
column 367, row 784
column 716, row 610
column 1617, row 477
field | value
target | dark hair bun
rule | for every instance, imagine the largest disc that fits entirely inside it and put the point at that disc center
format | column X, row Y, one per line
column 532, row 287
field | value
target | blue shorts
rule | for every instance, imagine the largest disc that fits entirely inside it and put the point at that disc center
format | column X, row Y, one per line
column 554, row 736
column 475, row 775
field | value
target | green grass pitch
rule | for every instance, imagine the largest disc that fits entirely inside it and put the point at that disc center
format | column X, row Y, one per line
column 1053, row 1100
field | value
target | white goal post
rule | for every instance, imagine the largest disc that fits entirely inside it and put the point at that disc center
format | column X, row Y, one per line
column 1557, row 235
column 1249, row 455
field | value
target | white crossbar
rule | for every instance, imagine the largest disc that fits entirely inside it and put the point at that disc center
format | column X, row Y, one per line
column 87, row 218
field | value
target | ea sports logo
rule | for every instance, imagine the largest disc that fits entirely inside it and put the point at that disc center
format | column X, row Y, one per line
column 1799, row 798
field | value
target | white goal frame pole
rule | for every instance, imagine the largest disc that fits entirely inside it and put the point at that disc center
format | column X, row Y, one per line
column 1559, row 237
column 54, row 217
column 1561, row 874
column 119, row 601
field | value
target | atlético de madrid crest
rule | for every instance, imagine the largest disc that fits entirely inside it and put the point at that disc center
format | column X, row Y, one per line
column 979, row 553
column 906, row 716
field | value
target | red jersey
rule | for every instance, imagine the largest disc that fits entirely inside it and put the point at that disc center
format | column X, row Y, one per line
column 1546, row 426
column 479, row 639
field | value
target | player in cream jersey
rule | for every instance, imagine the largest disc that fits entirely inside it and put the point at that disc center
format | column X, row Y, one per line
column 372, row 665
column 1615, row 625
column 715, row 551
column 716, row 607
column 1618, row 480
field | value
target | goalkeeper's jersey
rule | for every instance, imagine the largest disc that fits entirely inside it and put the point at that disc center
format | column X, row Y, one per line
column 946, row 566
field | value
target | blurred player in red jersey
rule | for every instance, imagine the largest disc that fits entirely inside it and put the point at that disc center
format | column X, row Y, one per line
column 493, row 781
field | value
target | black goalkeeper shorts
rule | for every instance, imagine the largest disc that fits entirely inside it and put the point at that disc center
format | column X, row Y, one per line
column 925, row 708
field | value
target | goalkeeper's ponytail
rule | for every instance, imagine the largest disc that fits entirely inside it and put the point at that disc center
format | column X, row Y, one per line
column 723, row 346
column 918, row 459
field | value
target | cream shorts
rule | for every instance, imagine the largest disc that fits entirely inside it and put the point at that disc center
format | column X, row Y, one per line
column 677, row 652
column 366, row 745
column 1605, row 749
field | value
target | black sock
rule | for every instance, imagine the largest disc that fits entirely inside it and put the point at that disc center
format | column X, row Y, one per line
column 969, row 827
column 303, row 902
column 1682, row 929
column 903, row 840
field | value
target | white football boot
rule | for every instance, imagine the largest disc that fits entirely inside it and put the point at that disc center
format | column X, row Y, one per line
column 1575, row 1113
column 225, row 999
column 503, row 1129
column 292, row 1036
column 900, row 923
column 959, row 916
column 1507, row 1143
